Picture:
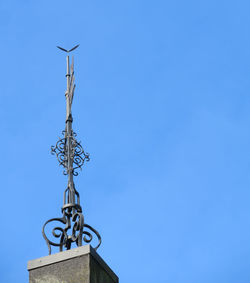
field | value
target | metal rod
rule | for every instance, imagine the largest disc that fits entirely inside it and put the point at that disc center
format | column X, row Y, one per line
column 71, row 156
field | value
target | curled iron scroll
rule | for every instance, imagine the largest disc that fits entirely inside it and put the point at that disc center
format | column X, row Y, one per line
column 88, row 240
column 78, row 235
column 62, row 235
column 78, row 155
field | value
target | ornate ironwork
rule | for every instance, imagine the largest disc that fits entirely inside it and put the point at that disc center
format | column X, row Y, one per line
column 78, row 155
column 71, row 156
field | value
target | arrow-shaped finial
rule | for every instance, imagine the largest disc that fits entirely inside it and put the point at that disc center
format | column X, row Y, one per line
column 68, row 50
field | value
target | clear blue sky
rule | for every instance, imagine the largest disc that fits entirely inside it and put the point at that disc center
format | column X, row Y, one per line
column 162, row 106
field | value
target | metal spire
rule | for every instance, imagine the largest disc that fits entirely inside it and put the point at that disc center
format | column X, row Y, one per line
column 71, row 156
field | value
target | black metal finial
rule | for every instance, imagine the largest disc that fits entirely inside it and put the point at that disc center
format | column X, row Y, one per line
column 71, row 156
column 65, row 50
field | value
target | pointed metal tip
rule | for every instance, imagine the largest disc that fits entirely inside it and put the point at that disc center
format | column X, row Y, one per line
column 74, row 48
column 68, row 50
column 62, row 49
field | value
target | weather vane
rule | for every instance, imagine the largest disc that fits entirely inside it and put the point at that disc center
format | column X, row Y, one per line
column 71, row 156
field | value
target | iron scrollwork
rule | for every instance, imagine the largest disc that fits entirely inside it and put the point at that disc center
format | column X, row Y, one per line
column 71, row 156
column 78, row 155
column 78, row 232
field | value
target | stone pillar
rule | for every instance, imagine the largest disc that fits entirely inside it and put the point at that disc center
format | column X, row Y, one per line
column 79, row 265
